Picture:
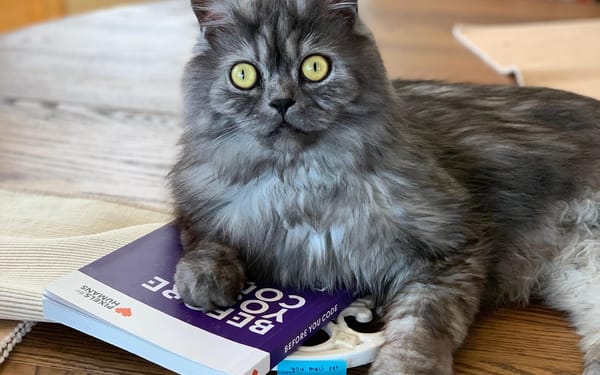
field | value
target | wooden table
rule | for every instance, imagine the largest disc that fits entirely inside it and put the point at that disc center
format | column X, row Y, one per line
column 91, row 105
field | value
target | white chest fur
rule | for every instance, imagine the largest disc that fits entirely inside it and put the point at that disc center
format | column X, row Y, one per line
column 306, row 212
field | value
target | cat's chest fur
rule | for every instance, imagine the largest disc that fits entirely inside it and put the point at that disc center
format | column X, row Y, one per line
column 306, row 219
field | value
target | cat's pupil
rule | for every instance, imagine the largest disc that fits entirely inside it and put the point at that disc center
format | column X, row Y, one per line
column 243, row 75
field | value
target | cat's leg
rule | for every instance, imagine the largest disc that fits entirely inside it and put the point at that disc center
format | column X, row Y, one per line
column 572, row 282
column 427, row 321
column 209, row 274
column 574, row 287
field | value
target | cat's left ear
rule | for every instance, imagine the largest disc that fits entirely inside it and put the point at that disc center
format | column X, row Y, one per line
column 345, row 8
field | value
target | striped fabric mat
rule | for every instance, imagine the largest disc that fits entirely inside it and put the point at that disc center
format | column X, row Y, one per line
column 43, row 237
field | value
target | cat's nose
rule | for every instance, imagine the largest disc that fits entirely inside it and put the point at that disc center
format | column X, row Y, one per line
column 282, row 105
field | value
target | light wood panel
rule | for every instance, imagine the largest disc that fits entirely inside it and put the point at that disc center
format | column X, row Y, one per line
column 416, row 39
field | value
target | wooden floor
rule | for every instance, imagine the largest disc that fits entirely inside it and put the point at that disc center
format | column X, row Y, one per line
column 91, row 105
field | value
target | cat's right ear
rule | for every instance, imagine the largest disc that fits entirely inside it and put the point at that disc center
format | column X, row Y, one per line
column 211, row 14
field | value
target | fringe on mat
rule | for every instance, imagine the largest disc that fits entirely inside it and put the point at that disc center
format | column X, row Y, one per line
column 9, row 342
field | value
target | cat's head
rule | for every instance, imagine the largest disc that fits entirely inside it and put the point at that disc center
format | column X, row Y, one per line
column 291, row 73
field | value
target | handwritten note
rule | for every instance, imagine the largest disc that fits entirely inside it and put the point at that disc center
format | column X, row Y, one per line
column 297, row 367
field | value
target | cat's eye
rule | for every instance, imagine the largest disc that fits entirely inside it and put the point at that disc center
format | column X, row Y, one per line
column 244, row 76
column 315, row 68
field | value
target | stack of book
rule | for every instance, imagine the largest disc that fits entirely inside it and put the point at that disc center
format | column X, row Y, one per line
column 128, row 298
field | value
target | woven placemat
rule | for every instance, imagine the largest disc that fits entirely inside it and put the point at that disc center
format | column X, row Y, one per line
column 43, row 237
column 12, row 333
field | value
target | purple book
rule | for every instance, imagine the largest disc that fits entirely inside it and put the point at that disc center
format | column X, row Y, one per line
column 128, row 299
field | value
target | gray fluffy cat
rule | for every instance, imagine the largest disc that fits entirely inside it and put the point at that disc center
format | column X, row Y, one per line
column 303, row 164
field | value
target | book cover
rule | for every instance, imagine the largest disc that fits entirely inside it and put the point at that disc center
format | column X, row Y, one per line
column 128, row 298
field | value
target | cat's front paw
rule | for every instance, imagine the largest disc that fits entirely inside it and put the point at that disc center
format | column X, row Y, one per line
column 210, row 275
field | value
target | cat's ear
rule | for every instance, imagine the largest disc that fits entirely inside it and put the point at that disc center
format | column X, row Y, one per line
column 344, row 8
column 210, row 13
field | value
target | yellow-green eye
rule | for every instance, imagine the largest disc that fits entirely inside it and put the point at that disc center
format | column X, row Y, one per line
column 244, row 76
column 315, row 68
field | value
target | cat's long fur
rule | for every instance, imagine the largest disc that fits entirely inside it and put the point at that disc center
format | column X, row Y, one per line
column 432, row 197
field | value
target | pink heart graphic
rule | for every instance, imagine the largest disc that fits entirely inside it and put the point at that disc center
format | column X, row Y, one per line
column 125, row 311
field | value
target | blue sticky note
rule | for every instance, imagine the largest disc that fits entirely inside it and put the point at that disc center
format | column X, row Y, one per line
column 297, row 367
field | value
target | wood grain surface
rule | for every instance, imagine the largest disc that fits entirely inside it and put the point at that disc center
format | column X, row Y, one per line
column 72, row 148
column 90, row 104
